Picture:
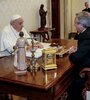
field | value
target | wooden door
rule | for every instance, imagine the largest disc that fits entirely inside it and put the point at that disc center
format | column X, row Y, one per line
column 56, row 18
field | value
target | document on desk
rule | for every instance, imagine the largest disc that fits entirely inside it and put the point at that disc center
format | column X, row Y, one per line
column 38, row 52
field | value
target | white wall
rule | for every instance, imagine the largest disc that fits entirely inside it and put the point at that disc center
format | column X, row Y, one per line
column 77, row 6
column 28, row 9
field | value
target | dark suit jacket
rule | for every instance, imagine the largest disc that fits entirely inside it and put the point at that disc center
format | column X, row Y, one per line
column 82, row 56
column 88, row 10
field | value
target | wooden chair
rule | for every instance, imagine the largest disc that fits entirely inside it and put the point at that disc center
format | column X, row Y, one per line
column 83, row 73
column 72, row 35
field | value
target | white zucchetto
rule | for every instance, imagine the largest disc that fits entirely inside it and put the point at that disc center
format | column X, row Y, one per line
column 14, row 17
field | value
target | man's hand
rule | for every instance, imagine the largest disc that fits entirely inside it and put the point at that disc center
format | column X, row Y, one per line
column 72, row 49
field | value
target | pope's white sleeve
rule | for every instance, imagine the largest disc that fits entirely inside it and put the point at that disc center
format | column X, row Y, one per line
column 8, row 46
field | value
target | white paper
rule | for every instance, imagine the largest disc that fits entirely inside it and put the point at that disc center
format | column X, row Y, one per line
column 38, row 52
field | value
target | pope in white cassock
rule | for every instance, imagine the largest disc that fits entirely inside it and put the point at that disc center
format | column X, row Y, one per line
column 10, row 34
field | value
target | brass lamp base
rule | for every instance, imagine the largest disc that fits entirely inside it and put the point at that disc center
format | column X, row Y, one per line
column 34, row 68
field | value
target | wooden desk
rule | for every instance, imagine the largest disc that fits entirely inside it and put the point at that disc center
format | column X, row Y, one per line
column 47, row 85
column 44, row 36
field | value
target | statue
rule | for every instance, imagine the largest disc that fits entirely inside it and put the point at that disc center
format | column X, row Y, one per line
column 43, row 14
column 20, row 53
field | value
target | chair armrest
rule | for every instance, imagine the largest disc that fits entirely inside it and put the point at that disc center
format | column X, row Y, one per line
column 85, row 70
column 83, row 73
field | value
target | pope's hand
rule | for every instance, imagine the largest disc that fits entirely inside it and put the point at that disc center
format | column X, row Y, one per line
column 38, row 45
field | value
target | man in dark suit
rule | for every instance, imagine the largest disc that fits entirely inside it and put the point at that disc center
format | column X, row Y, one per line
column 87, row 7
column 80, row 55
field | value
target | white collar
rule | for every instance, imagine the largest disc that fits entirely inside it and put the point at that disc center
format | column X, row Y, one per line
column 83, row 30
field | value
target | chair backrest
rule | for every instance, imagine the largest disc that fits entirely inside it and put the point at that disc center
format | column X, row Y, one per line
column 72, row 35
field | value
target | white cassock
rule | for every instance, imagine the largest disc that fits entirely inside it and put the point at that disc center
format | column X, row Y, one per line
column 9, row 37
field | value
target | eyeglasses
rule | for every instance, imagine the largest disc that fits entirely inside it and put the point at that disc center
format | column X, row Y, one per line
column 77, row 23
column 20, row 23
